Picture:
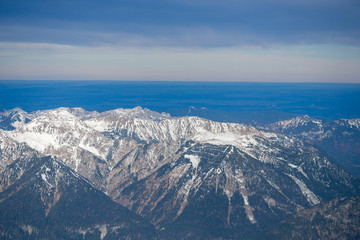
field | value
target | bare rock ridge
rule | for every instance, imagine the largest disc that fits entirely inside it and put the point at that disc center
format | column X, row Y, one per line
column 188, row 176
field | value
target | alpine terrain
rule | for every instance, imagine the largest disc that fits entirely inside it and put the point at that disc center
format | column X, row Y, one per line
column 127, row 173
column 340, row 139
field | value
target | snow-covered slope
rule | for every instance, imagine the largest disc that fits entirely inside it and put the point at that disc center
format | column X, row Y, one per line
column 166, row 168
column 303, row 125
column 10, row 150
column 59, row 129
column 14, row 118
column 306, row 126
column 60, row 133
column 102, row 145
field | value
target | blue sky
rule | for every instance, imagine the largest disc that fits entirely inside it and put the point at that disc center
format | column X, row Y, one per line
column 165, row 40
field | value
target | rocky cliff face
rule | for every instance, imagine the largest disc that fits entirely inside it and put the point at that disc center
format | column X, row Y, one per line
column 189, row 176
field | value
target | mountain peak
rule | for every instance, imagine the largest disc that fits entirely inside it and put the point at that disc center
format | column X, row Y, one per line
column 60, row 113
column 13, row 118
column 303, row 122
column 137, row 112
column 13, row 111
column 352, row 123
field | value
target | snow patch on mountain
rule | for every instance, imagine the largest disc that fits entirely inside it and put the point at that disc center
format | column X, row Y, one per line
column 100, row 126
column 352, row 123
column 297, row 122
column 310, row 196
column 38, row 141
column 234, row 139
column 14, row 118
column 195, row 160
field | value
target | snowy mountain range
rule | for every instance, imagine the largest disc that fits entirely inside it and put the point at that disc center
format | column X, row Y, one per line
column 190, row 177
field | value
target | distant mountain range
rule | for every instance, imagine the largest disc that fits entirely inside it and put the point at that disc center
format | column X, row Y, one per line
column 137, row 174
column 339, row 139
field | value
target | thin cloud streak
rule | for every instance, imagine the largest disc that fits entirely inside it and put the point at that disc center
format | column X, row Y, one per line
column 202, row 37
column 251, row 63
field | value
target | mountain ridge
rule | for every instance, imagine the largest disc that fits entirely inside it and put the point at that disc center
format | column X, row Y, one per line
column 188, row 175
column 340, row 138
